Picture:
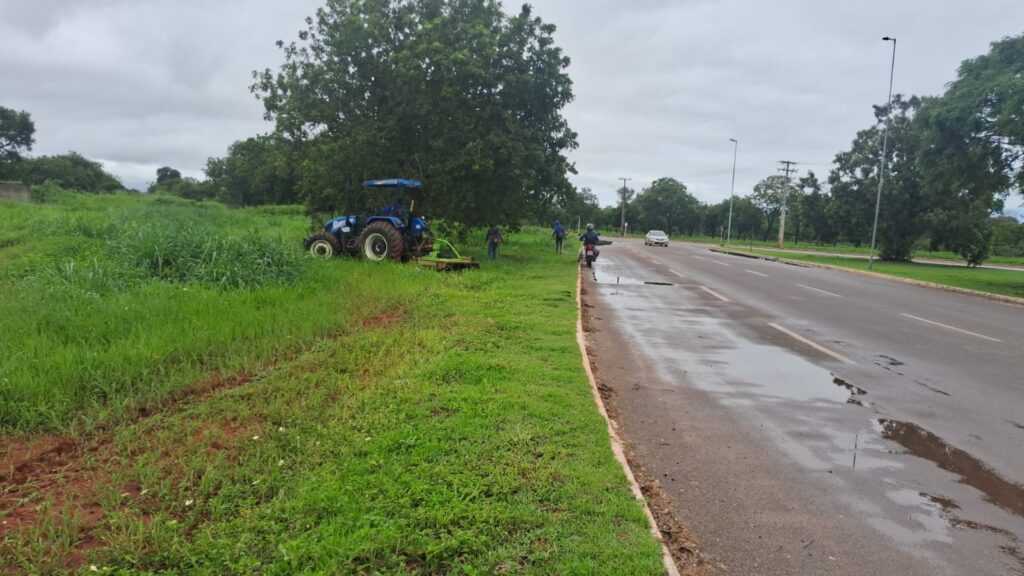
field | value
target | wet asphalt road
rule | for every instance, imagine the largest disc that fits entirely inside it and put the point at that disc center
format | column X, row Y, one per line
column 809, row 421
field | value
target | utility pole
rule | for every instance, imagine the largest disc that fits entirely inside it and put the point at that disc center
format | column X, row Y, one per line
column 785, row 192
column 885, row 151
column 622, row 226
column 732, row 189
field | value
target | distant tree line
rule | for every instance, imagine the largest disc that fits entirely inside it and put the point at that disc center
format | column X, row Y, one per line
column 71, row 170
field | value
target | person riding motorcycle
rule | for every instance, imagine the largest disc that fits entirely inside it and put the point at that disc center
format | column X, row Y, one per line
column 590, row 237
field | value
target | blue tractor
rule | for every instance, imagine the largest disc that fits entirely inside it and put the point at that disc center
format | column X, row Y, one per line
column 389, row 234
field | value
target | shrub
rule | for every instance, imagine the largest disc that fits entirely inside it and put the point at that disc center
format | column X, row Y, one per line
column 49, row 192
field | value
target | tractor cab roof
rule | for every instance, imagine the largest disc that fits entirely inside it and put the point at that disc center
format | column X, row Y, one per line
column 394, row 183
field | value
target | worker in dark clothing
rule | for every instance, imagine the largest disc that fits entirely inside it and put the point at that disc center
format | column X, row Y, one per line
column 558, row 233
column 494, row 241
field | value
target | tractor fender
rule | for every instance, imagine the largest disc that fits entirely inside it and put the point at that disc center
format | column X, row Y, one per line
column 393, row 220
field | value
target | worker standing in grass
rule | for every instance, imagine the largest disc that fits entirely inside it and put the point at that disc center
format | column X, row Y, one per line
column 559, row 234
column 494, row 241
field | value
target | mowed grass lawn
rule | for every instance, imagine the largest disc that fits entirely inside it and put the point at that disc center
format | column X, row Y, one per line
column 1005, row 282
column 331, row 417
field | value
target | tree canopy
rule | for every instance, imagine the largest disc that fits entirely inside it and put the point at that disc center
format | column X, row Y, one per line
column 16, row 134
column 71, row 170
column 256, row 171
column 667, row 205
column 453, row 92
column 167, row 174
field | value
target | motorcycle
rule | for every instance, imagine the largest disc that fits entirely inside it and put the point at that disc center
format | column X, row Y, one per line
column 589, row 255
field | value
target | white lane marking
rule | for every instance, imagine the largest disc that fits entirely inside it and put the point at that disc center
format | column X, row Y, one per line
column 954, row 328
column 722, row 263
column 810, row 343
column 699, row 257
column 715, row 294
column 676, row 273
column 820, row 290
column 757, row 273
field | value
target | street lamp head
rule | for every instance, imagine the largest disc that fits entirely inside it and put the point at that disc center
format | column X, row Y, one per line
column 732, row 140
column 887, row 39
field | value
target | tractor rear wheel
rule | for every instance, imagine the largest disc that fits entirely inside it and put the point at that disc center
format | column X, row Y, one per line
column 323, row 244
column 380, row 241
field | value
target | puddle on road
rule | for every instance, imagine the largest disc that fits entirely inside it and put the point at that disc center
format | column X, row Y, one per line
column 616, row 280
column 972, row 472
column 948, row 509
column 855, row 391
column 776, row 372
column 930, row 524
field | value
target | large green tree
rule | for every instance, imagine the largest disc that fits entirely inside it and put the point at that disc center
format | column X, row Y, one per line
column 972, row 152
column 580, row 206
column 814, row 205
column 454, row 92
column 257, row 170
column 16, row 134
column 167, row 174
column 666, row 204
column 978, row 123
column 854, row 183
column 767, row 198
column 71, row 170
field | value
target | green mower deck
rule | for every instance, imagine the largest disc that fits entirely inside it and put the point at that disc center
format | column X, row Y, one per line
column 446, row 258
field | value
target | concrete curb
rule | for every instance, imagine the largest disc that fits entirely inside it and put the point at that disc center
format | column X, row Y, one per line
column 617, row 449
column 977, row 293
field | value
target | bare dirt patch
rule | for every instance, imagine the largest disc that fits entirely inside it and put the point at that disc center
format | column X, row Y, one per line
column 53, row 479
column 57, row 480
column 385, row 320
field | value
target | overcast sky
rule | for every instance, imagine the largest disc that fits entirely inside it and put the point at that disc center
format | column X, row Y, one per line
column 661, row 85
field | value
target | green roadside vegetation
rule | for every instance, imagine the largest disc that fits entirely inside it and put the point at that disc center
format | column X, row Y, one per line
column 840, row 248
column 212, row 401
column 1005, row 282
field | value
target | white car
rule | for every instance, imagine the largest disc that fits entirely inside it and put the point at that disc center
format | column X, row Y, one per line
column 656, row 238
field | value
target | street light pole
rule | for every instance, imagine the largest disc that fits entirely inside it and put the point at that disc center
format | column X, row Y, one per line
column 732, row 189
column 623, row 223
column 885, row 151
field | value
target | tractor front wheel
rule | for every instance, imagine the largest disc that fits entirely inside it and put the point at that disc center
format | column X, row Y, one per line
column 323, row 244
column 380, row 241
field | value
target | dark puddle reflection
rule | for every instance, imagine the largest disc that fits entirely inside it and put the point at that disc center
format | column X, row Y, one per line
column 972, row 472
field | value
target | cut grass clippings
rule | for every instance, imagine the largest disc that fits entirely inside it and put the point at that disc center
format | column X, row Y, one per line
column 994, row 281
column 436, row 423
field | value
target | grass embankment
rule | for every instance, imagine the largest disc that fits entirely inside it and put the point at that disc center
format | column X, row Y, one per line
column 849, row 249
column 334, row 417
column 1005, row 282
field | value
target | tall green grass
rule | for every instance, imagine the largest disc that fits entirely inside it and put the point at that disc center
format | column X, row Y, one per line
column 397, row 420
column 112, row 303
